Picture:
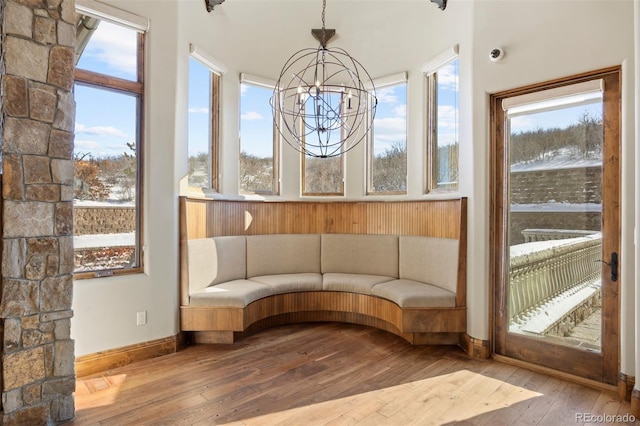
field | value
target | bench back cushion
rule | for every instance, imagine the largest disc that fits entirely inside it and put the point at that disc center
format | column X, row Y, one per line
column 282, row 254
column 430, row 260
column 360, row 254
column 216, row 260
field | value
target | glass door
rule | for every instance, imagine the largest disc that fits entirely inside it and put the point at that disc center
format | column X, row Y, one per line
column 556, row 217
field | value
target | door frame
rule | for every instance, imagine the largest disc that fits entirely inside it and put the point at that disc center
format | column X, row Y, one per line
column 605, row 365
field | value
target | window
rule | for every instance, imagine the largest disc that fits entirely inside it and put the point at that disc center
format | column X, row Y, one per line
column 258, row 142
column 387, row 142
column 443, row 112
column 109, row 95
column 323, row 176
column 204, row 121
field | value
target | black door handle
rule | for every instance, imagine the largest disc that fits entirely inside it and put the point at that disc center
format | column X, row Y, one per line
column 613, row 264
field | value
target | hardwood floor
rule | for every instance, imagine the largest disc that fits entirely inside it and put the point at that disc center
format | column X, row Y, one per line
column 332, row 374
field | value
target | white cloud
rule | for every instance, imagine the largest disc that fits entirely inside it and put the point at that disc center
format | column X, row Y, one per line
column 387, row 95
column 244, row 88
column 199, row 110
column 390, row 125
column 400, row 110
column 447, row 117
column 100, row 131
column 86, row 146
column 114, row 45
column 251, row 116
column 447, row 77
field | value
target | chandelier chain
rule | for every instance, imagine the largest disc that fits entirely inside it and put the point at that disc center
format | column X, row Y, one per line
column 324, row 39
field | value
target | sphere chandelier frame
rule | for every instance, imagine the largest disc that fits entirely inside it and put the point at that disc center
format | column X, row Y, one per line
column 324, row 101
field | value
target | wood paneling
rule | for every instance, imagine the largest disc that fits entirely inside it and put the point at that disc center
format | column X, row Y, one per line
column 323, row 306
column 210, row 218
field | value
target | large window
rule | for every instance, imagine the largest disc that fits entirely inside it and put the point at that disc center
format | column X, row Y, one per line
column 443, row 113
column 258, row 140
column 387, row 143
column 204, row 123
column 109, row 95
column 203, row 126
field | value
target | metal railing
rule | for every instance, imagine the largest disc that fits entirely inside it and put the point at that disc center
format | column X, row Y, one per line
column 541, row 270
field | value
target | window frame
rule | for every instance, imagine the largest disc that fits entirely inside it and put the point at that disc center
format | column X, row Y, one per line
column 430, row 71
column 380, row 83
column 263, row 83
column 132, row 88
column 216, row 70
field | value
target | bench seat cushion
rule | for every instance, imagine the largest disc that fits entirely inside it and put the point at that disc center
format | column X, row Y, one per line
column 360, row 254
column 282, row 254
column 414, row 294
column 354, row 283
column 236, row 293
column 430, row 260
column 287, row 283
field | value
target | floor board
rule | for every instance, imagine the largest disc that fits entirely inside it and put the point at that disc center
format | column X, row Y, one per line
column 331, row 374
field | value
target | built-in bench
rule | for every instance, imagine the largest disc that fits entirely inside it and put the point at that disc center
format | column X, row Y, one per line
column 411, row 285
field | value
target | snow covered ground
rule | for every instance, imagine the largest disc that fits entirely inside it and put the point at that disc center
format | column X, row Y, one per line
column 559, row 160
column 104, row 240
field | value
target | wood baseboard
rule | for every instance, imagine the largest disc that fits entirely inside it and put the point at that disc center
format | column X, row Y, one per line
column 102, row 361
column 625, row 386
column 475, row 348
column 635, row 403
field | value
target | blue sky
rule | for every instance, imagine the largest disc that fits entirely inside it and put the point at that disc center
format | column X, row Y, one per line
column 105, row 121
column 559, row 118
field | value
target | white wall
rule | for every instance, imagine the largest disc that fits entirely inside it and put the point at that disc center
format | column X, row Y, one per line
column 543, row 40
column 105, row 309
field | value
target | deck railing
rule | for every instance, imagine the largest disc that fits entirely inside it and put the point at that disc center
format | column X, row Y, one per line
column 541, row 270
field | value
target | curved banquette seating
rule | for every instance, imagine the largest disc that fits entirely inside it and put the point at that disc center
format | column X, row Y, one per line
column 410, row 285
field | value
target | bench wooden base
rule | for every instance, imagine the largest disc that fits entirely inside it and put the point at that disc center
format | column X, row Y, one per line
column 418, row 326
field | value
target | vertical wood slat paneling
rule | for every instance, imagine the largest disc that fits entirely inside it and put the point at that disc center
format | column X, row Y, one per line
column 209, row 218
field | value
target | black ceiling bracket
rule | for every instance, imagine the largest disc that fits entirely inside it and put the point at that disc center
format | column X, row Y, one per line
column 209, row 4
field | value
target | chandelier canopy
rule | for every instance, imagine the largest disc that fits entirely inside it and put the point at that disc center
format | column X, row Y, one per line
column 324, row 101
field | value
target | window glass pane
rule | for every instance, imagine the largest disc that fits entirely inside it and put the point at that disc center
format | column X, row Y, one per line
column 199, row 124
column 445, row 112
column 257, row 164
column 388, row 147
column 107, row 48
column 105, row 180
column 323, row 176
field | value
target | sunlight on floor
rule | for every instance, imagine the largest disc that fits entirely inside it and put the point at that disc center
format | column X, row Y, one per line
column 437, row 397
column 107, row 386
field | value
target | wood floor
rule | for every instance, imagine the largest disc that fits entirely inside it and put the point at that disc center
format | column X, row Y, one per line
column 332, row 374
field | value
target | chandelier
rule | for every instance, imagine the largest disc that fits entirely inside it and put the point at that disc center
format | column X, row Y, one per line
column 324, row 102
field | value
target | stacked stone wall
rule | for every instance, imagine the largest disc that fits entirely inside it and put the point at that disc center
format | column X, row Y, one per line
column 37, row 113
column 103, row 220
column 571, row 185
column 580, row 185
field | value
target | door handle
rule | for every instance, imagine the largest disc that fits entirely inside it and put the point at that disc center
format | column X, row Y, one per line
column 613, row 264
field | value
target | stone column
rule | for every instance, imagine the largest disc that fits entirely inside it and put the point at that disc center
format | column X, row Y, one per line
column 37, row 113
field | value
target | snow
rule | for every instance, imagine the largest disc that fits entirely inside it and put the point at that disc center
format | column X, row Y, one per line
column 104, row 240
column 561, row 160
column 557, row 207
column 106, row 203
